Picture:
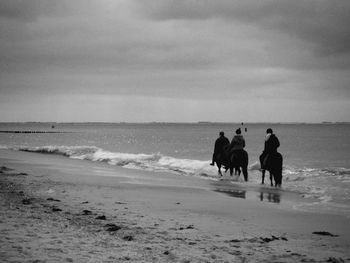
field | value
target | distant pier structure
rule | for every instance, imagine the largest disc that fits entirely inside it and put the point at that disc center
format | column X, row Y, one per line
column 32, row 132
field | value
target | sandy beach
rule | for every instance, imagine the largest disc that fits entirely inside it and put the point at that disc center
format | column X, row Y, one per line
column 56, row 209
column 116, row 117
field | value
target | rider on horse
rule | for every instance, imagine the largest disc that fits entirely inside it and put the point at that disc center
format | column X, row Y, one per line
column 239, row 157
column 270, row 150
column 219, row 149
column 238, row 142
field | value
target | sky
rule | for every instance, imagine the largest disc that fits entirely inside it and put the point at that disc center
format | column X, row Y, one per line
column 174, row 60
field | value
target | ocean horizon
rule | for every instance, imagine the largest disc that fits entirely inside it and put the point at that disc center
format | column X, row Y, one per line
column 315, row 166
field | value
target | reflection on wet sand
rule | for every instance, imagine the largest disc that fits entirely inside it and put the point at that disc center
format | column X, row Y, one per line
column 263, row 196
column 270, row 197
column 233, row 193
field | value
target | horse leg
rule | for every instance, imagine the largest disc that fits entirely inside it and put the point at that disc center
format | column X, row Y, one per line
column 277, row 176
column 231, row 170
column 276, row 182
column 219, row 169
column 279, row 181
column 263, row 176
column 271, row 178
column 237, row 171
column 245, row 173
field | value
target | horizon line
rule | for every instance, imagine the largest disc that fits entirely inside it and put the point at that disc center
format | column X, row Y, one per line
column 166, row 122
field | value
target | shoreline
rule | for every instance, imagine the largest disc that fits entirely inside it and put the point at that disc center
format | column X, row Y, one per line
column 58, row 209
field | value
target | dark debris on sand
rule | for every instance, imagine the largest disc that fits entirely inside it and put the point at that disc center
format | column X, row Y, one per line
column 5, row 169
column 56, row 209
column 188, row 227
column 324, row 233
column 128, row 238
column 27, row 201
column 267, row 239
column 10, row 172
column 335, row 260
column 52, row 199
column 258, row 239
column 112, row 227
column 87, row 212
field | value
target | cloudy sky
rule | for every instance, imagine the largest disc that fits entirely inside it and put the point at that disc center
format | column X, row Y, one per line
column 175, row 60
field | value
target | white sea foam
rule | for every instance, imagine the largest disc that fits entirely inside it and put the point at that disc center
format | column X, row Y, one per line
column 152, row 162
column 312, row 169
column 309, row 182
column 255, row 166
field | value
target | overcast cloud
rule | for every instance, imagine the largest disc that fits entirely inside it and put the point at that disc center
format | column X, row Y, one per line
column 174, row 60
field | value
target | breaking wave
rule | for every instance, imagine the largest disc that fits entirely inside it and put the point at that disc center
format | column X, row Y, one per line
column 163, row 163
column 152, row 162
column 326, row 185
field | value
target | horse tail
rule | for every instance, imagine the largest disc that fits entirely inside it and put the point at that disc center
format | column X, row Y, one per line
column 279, row 161
column 278, row 168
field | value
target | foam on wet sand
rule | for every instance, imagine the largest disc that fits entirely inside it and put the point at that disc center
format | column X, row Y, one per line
column 55, row 209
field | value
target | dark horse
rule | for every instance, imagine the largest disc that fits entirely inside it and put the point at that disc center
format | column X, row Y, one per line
column 273, row 163
column 233, row 161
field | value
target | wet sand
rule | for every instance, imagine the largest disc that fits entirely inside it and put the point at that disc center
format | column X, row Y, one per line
column 55, row 209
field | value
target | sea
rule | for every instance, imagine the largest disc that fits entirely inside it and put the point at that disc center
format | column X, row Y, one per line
column 316, row 157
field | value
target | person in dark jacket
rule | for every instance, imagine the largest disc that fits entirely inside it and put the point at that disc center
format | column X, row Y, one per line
column 270, row 148
column 219, row 148
column 271, row 142
column 238, row 155
column 238, row 142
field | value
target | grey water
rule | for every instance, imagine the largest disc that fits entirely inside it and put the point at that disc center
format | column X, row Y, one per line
column 316, row 156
